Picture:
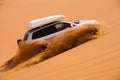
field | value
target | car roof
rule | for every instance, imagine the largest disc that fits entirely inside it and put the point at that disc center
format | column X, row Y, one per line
column 32, row 30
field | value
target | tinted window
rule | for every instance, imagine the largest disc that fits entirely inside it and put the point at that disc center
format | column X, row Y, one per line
column 44, row 31
column 62, row 26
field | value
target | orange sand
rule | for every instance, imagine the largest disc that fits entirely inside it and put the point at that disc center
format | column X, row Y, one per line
column 97, row 59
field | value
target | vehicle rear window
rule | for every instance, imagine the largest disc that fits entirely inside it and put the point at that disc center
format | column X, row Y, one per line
column 43, row 32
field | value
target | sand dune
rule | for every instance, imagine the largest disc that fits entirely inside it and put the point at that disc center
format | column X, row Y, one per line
column 95, row 59
column 45, row 49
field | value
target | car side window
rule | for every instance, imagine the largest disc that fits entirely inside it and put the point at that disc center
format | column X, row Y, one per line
column 47, row 30
column 62, row 26
column 44, row 31
column 59, row 26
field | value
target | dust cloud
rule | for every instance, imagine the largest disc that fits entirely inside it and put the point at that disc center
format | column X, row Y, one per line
column 33, row 52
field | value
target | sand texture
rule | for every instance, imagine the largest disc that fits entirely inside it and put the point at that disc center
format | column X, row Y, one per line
column 96, row 59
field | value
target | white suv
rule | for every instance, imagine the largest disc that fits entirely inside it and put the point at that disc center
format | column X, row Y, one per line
column 52, row 29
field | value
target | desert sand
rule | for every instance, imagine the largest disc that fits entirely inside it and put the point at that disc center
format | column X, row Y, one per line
column 95, row 59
